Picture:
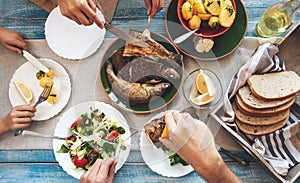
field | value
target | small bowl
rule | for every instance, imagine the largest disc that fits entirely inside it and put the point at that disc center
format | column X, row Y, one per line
column 190, row 81
column 204, row 31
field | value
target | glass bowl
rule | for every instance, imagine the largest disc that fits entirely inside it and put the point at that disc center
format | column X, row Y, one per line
column 191, row 80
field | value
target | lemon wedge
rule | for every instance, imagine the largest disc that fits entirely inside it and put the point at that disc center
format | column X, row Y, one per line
column 202, row 99
column 211, row 90
column 24, row 90
column 227, row 16
column 201, row 83
column 194, row 92
column 164, row 133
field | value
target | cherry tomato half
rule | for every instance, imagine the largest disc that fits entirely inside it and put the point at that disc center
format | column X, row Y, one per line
column 77, row 121
column 112, row 135
column 80, row 162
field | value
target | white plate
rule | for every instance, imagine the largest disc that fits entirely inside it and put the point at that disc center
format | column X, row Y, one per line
column 157, row 160
column 68, row 39
column 62, row 130
column 26, row 74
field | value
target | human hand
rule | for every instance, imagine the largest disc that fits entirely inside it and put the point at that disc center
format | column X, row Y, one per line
column 18, row 117
column 12, row 40
column 154, row 6
column 102, row 171
column 190, row 138
column 80, row 11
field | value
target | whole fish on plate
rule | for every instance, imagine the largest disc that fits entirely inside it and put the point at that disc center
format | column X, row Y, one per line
column 144, row 70
column 155, row 50
column 134, row 93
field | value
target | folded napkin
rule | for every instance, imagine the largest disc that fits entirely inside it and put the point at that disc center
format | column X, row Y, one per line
column 107, row 7
column 282, row 147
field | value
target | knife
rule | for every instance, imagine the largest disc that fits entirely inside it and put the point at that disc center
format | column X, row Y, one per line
column 240, row 160
column 35, row 61
column 126, row 37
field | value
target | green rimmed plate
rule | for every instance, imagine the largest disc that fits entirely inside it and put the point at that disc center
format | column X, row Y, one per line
column 153, row 105
column 223, row 45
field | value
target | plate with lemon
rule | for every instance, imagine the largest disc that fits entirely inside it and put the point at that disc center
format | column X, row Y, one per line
column 202, row 89
column 28, row 83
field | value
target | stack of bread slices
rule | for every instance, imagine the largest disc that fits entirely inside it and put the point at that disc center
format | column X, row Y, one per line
column 263, row 105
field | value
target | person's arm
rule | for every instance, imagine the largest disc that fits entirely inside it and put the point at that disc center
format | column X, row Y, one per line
column 18, row 117
column 12, row 40
column 80, row 11
column 154, row 6
column 192, row 140
column 102, row 171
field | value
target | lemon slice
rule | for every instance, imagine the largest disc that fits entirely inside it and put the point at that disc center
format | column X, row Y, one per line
column 201, row 83
column 227, row 16
column 193, row 92
column 211, row 90
column 164, row 133
column 202, row 99
column 24, row 90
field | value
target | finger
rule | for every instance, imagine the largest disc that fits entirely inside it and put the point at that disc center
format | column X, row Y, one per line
column 176, row 115
column 148, row 5
column 167, row 142
column 171, row 124
column 92, row 5
column 13, row 48
column 93, row 171
column 105, row 167
column 83, row 18
column 20, row 126
column 154, row 7
column 25, row 108
column 74, row 18
column 91, row 14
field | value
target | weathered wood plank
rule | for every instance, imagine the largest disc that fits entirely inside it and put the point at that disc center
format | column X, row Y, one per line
column 29, row 19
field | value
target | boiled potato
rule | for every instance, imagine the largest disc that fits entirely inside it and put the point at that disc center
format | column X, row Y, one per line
column 187, row 10
column 52, row 99
column 227, row 16
column 50, row 74
column 212, row 6
column 204, row 16
column 46, row 81
column 224, row 2
column 195, row 22
column 192, row 2
column 213, row 22
column 198, row 7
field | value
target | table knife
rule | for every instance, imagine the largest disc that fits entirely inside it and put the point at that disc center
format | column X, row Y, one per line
column 126, row 37
column 240, row 160
column 35, row 61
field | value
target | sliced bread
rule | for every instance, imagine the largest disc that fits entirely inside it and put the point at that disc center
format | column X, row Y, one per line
column 260, row 130
column 261, row 112
column 259, row 120
column 252, row 101
column 274, row 85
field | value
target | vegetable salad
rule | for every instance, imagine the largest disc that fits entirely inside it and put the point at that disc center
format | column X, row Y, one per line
column 94, row 136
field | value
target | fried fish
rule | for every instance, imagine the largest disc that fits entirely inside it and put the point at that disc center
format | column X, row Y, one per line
column 134, row 93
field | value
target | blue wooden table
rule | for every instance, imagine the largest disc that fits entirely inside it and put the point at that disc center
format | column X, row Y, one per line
column 40, row 165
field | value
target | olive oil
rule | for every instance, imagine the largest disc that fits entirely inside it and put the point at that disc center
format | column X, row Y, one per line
column 276, row 19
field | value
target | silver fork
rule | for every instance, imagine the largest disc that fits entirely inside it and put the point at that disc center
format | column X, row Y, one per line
column 146, row 32
column 44, row 95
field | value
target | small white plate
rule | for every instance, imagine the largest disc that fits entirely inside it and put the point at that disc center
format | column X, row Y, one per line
column 62, row 130
column 157, row 160
column 26, row 74
column 68, row 39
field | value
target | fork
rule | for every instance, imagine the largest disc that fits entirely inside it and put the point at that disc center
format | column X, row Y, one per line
column 146, row 32
column 44, row 95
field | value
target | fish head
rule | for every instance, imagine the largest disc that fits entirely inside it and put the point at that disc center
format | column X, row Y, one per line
column 171, row 73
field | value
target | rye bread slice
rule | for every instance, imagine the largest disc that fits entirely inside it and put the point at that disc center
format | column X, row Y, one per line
column 274, row 85
column 252, row 101
column 260, row 130
column 261, row 112
column 259, row 120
